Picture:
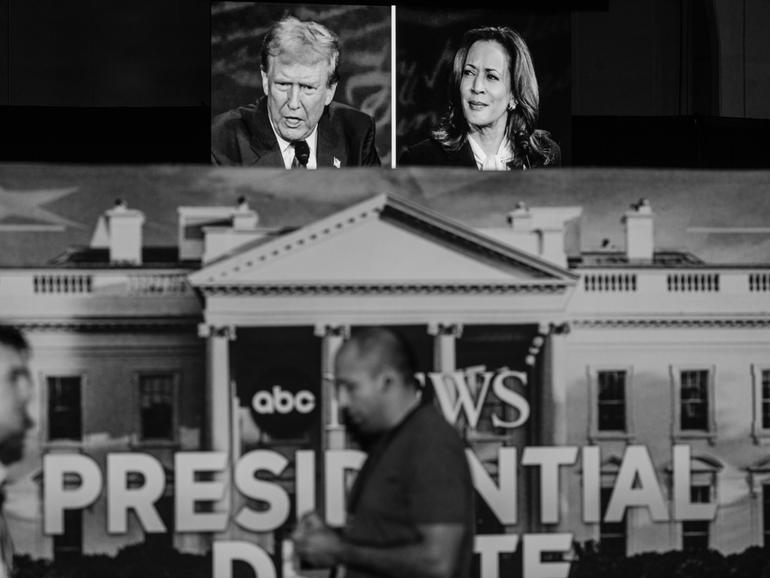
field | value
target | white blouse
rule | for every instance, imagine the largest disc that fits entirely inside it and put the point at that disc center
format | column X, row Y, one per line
column 497, row 162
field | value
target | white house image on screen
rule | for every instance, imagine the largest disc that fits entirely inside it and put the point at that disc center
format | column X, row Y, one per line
column 167, row 349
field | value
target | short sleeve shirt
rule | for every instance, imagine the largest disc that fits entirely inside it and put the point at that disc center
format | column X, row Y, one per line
column 416, row 474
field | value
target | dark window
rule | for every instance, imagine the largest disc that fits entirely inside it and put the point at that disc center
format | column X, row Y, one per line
column 766, row 515
column 694, row 400
column 64, row 412
column 766, row 398
column 612, row 535
column 695, row 533
column 156, row 393
column 69, row 545
column 165, row 507
column 612, row 400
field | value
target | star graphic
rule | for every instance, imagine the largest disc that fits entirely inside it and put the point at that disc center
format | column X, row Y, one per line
column 24, row 210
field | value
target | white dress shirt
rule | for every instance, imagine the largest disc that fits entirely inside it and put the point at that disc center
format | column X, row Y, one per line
column 287, row 151
column 496, row 162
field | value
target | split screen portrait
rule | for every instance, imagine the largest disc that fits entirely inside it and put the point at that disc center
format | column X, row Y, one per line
column 316, row 91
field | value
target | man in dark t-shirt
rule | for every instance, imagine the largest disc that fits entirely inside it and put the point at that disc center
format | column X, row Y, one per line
column 410, row 512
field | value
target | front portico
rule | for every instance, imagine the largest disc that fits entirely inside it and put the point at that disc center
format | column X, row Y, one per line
column 463, row 298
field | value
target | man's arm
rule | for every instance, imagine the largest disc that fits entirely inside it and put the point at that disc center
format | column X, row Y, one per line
column 435, row 556
column 369, row 156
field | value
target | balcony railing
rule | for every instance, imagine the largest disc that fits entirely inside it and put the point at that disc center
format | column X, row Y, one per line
column 759, row 282
column 62, row 283
column 692, row 282
column 609, row 282
column 676, row 282
column 51, row 294
column 709, row 292
column 79, row 283
column 158, row 285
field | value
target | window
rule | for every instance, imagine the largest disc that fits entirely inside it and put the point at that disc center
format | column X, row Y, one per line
column 765, row 403
column 610, row 411
column 64, row 408
column 760, row 390
column 156, row 402
column 612, row 535
column 766, row 515
column 693, row 411
column 69, row 545
column 694, row 400
column 611, row 398
column 695, row 533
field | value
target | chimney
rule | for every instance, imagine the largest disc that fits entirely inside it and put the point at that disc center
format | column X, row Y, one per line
column 639, row 232
column 125, row 234
column 244, row 218
column 540, row 231
column 520, row 219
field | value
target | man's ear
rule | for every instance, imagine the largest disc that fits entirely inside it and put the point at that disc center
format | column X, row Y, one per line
column 330, row 90
column 264, row 80
column 387, row 379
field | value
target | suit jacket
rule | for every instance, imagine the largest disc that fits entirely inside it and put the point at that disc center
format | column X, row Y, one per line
column 244, row 137
column 429, row 152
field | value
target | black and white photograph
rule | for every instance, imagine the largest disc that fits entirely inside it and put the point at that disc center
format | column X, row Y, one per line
column 524, row 333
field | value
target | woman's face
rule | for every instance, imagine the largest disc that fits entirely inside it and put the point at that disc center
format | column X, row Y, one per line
column 485, row 85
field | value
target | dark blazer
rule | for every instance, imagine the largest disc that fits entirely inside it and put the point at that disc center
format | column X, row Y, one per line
column 244, row 137
column 429, row 152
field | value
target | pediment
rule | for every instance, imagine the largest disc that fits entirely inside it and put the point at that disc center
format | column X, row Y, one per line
column 382, row 241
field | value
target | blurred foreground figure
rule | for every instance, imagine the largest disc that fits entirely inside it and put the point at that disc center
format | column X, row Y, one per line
column 15, row 393
column 410, row 512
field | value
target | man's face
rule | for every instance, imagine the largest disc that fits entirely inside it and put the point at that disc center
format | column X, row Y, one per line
column 360, row 391
column 297, row 89
column 15, row 393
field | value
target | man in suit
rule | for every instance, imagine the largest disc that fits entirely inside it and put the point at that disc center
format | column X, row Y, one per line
column 296, row 124
column 15, row 393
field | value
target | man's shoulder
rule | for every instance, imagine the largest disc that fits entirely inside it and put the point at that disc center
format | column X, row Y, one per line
column 347, row 115
column 429, row 424
column 242, row 135
column 246, row 114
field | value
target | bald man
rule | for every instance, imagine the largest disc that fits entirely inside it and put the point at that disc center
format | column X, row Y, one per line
column 410, row 512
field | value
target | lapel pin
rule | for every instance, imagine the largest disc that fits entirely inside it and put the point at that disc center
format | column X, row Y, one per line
column 336, row 162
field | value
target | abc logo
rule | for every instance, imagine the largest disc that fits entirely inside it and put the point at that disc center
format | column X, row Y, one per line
column 281, row 401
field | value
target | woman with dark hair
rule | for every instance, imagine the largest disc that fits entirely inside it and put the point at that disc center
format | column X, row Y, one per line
column 493, row 108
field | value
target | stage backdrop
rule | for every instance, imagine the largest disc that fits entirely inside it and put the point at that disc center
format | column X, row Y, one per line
column 237, row 30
